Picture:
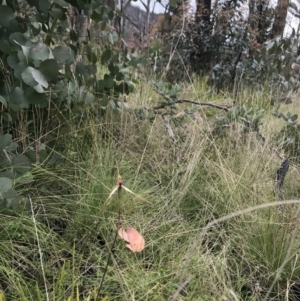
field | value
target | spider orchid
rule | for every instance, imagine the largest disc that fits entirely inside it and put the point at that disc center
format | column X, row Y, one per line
column 118, row 187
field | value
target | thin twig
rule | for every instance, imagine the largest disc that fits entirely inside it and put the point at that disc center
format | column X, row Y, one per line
column 106, row 267
column 110, row 252
column 217, row 106
column 40, row 250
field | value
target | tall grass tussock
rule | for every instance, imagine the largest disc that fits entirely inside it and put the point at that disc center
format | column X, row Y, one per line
column 203, row 200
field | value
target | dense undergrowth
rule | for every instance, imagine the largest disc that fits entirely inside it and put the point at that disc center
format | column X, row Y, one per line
column 183, row 179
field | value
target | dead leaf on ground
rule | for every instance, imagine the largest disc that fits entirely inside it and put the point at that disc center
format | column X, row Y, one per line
column 136, row 242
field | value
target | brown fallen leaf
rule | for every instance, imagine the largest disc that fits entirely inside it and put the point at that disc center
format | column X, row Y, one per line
column 134, row 238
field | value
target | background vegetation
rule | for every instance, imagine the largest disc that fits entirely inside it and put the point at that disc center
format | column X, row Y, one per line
column 202, row 125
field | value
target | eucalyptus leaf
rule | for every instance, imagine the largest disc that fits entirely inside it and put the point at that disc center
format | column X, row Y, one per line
column 5, row 141
column 14, row 26
column 44, row 6
column 28, row 77
column 6, row 116
column 17, row 203
column 10, row 194
column 16, row 96
column 39, row 51
column 89, row 98
column 35, row 28
column 24, row 57
column 104, row 101
column 62, row 3
column 5, row 46
column 21, row 164
column 17, row 40
column 109, row 82
column 38, row 88
column 32, row 77
column 3, row 101
column 12, row 59
column 49, row 68
column 110, row 38
column 12, row 147
column 63, row 54
column 7, row 174
column 5, row 185
column 72, row 87
column 6, row 14
column 57, row 13
column 19, row 68
column 106, row 55
column 294, row 117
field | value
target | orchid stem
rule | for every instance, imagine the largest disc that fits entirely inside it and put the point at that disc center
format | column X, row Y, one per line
column 113, row 244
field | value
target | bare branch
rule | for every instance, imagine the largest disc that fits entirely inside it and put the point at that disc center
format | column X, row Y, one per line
column 217, row 106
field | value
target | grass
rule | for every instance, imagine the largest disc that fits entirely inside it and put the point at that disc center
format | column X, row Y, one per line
column 184, row 186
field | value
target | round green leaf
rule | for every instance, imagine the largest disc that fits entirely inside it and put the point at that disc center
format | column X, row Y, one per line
column 18, row 69
column 3, row 101
column 72, row 87
column 39, row 51
column 49, row 68
column 21, row 164
column 6, row 14
column 120, row 76
column 7, row 174
column 92, row 58
column 17, row 100
column 7, row 117
column 5, row 141
column 63, row 54
column 104, row 101
column 16, row 40
column 13, row 4
column 17, row 203
column 100, row 86
column 14, row 26
column 5, row 46
column 89, row 98
column 33, row 3
column 13, row 60
column 44, row 6
column 91, row 69
column 111, row 14
column 16, row 96
column 108, row 81
column 28, row 77
column 5, row 185
column 106, row 55
column 38, row 88
column 31, row 155
column 23, row 55
column 10, row 194
column 35, row 28
column 57, row 13
column 32, row 77
column 62, row 3
column 12, row 147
